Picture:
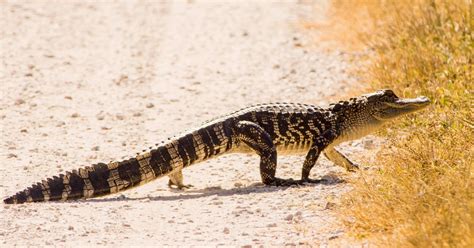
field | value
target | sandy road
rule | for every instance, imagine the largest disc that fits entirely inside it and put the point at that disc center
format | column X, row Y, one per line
column 85, row 83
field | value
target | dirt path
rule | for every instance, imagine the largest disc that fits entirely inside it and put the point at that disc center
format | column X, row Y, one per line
column 87, row 83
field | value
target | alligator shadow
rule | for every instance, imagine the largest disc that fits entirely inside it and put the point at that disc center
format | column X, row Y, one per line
column 255, row 188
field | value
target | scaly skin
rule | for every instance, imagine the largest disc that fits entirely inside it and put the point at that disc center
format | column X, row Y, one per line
column 265, row 129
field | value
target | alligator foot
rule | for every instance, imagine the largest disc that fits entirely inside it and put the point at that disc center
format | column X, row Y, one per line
column 312, row 181
column 284, row 182
column 172, row 185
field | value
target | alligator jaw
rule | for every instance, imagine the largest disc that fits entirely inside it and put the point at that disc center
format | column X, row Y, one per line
column 402, row 107
column 411, row 103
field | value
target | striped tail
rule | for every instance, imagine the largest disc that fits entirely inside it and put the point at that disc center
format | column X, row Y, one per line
column 96, row 180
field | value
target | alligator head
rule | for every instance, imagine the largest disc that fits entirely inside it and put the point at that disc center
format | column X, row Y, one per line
column 385, row 105
column 360, row 116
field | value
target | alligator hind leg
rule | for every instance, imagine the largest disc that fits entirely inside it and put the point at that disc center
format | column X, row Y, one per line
column 260, row 141
column 318, row 145
column 339, row 159
column 176, row 178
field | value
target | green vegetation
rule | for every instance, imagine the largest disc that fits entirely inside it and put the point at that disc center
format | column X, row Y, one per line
column 421, row 193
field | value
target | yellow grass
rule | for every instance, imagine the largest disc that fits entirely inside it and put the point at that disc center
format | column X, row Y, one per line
column 421, row 192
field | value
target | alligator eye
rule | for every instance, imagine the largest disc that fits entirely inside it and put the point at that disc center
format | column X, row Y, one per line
column 390, row 94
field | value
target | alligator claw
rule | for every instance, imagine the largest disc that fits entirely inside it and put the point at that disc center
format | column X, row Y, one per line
column 353, row 167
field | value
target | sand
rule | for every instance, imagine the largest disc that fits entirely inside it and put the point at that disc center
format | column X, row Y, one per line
column 88, row 83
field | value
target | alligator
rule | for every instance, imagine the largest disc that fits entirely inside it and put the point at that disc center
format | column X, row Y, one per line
column 265, row 129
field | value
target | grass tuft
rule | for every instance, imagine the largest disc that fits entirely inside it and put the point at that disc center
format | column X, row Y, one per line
column 421, row 192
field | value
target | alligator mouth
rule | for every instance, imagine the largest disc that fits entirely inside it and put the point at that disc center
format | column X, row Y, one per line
column 410, row 103
column 402, row 107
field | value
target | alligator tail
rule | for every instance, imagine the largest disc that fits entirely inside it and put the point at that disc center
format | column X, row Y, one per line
column 93, row 181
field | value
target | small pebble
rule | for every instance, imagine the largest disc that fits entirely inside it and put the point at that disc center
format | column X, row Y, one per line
column 226, row 230
column 150, row 105
column 95, row 148
column 289, row 217
column 75, row 115
column 19, row 101
column 12, row 155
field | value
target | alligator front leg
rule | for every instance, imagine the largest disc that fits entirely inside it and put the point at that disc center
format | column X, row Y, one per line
column 260, row 141
column 318, row 145
column 339, row 159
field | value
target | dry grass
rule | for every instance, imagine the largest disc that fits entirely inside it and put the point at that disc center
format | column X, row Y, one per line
column 421, row 193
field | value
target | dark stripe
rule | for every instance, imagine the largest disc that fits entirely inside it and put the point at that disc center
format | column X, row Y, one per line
column 8, row 200
column 155, row 162
column 165, row 155
column 267, row 125
column 259, row 119
column 36, row 192
column 207, row 142
column 98, row 179
column 21, row 197
column 228, row 133
column 319, row 121
column 294, row 122
column 166, row 160
column 283, row 126
column 212, row 133
column 314, row 131
column 129, row 170
column 182, row 153
column 253, row 117
column 77, row 186
column 56, row 187
column 190, row 149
